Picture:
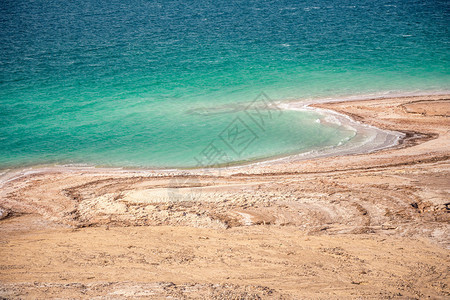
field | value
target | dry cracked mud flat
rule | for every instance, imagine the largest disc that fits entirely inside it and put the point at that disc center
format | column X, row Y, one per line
column 360, row 226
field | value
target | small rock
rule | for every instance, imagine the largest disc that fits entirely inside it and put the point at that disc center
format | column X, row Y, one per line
column 3, row 213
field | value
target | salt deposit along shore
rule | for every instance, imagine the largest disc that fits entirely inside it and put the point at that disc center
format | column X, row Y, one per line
column 366, row 224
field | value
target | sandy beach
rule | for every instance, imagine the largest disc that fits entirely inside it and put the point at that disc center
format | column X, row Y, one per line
column 360, row 225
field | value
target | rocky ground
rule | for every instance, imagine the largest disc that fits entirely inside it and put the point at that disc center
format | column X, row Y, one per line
column 369, row 225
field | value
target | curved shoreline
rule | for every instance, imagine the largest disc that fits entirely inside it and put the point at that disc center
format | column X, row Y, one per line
column 366, row 134
column 367, row 138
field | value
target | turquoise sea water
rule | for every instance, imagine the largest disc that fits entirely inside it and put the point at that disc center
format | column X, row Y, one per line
column 169, row 83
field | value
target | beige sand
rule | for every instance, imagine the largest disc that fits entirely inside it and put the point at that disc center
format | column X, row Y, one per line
column 368, row 225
